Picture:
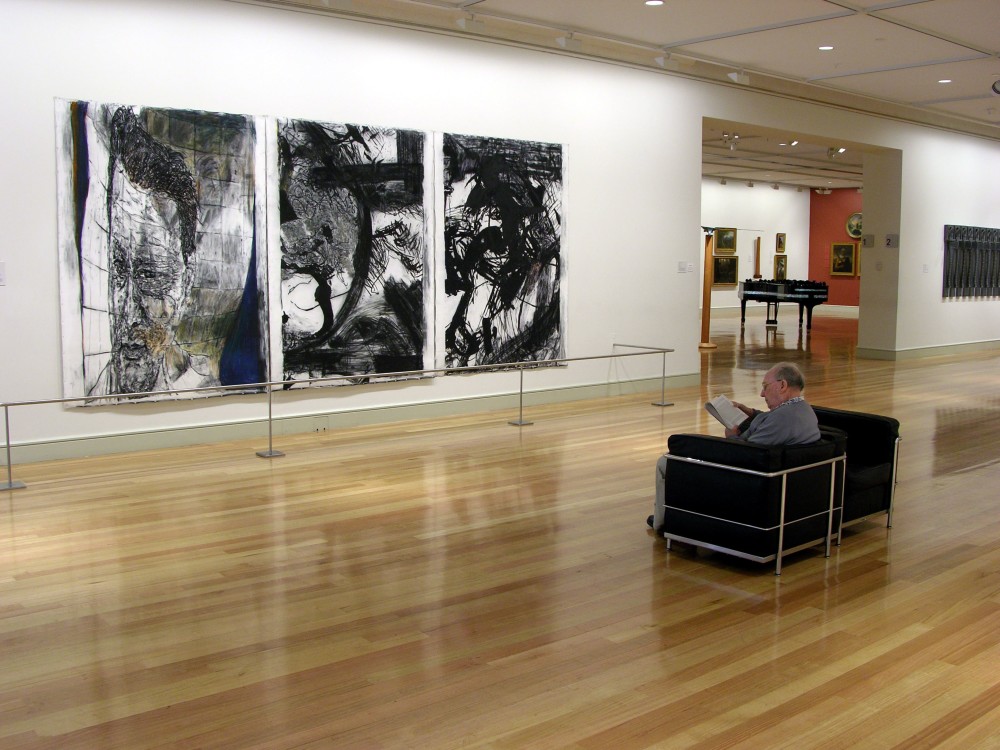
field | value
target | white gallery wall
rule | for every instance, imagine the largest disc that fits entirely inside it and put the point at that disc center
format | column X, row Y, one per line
column 757, row 212
column 633, row 188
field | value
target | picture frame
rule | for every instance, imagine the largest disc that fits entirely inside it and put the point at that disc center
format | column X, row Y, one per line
column 843, row 259
column 725, row 241
column 725, row 270
column 854, row 225
column 779, row 242
column 780, row 267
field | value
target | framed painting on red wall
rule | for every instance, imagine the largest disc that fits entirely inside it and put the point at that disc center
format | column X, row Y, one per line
column 843, row 259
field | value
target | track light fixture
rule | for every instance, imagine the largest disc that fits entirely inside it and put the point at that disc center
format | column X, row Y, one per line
column 996, row 87
column 722, row 181
column 470, row 24
column 667, row 62
column 569, row 42
column 749, row 183
column 739, row 76
column 774, row 186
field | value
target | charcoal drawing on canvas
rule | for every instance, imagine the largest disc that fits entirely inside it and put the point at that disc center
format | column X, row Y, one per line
column 353, row 246
column 502, row 251
column 157, row 236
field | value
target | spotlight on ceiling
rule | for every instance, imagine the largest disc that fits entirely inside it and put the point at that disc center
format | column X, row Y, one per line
column 996, row 87
column 823, row 191
column 774, row 186
column 569, row 42
column 470, row 24
column 739, row 76
column 749, row 183
column 833, row 153
column 722, row 181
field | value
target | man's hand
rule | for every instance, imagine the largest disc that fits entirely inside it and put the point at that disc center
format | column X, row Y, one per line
column 745, row 409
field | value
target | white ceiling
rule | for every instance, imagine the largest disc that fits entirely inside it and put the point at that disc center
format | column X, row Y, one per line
column 888, row 57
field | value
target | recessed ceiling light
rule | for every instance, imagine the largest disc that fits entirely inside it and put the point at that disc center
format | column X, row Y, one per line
column 782, row 144
column 826, row 48
column 945, row 80
column 795, row 143
column 654, row 2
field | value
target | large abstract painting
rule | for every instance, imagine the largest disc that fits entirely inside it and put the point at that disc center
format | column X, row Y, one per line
column 354, row 238
column 157, row 249
column 502, row 251
column 173, row 276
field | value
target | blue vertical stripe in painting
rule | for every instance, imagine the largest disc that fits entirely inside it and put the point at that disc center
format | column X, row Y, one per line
column 241, row 360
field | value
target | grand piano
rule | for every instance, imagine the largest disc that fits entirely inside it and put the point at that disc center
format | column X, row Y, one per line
column 807, row 293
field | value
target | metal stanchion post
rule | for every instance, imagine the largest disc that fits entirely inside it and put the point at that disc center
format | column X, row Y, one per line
column 663, row 386
column 519, row 422
column 270, row 452
column 10, row 484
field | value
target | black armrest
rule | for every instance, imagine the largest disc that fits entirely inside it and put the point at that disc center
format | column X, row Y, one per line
column 871, row 437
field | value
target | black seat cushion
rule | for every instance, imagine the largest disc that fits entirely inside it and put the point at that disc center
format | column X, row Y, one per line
column 863, row 477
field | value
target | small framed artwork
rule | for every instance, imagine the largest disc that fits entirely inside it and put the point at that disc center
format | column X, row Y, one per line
column 725, row 270
column 779, row 243
column 843, row 258
column 780, row 267
column 854, row 225
column 725, row 241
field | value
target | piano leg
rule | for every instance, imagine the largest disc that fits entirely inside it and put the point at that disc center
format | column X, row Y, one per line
column 772, row 314
column 800, row 315
column 809, row 317
column 743, row 312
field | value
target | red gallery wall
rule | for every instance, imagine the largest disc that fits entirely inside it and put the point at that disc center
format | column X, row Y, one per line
column 828, row 216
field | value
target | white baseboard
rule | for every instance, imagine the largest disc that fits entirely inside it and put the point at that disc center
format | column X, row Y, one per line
column 896, row 355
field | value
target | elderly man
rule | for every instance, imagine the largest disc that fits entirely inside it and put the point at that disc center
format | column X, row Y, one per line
column 788, row 421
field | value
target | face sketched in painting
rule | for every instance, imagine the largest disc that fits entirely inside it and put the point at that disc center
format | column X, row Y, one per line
column 147, row 285
column 151, row 240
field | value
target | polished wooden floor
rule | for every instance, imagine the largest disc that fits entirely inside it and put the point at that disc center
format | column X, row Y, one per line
column 462, row 583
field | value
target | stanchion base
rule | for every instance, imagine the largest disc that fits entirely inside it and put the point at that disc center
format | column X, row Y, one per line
column 519, row 422
column 663, row 403
column 708, row 345
column 270, row 454
column 12, row 486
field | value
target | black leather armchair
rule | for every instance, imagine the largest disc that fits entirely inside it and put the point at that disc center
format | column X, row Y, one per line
column 872, row 457
column 752, row 501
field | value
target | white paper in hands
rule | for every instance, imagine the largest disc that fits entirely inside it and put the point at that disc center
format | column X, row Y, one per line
column 725, row 411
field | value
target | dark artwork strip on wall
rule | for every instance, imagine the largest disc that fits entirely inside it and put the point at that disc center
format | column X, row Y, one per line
column 971, row 262
column 353, row 249
column 502, row 251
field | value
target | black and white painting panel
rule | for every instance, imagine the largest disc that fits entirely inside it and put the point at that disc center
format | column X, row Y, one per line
column 503, row 227
column 354, row 213
column 158, row 260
